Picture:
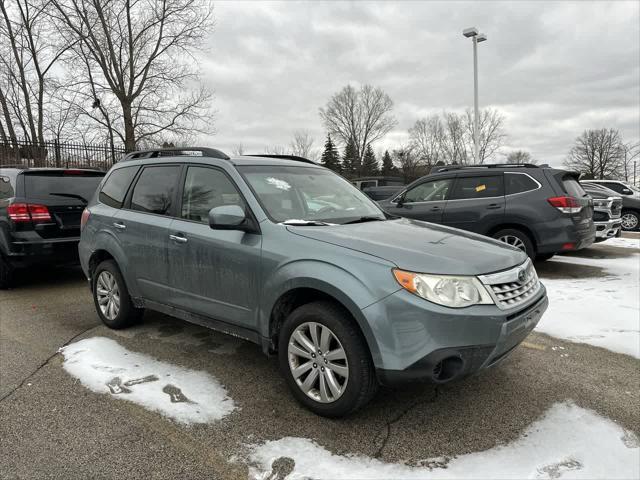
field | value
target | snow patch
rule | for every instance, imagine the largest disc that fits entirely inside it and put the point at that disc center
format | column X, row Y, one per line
column 567, row 442
column 603, row 311
column 623, row 242
column 187, row 396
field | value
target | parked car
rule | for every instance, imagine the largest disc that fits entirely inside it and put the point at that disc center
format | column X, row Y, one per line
column 377, row 181
column 538, row 209
column 346, row 296
column 630, row 201
column 382, row 193
column 40, row 211
column 607, row 211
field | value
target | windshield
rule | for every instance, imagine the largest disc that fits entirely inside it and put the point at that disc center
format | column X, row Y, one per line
column 306, row 193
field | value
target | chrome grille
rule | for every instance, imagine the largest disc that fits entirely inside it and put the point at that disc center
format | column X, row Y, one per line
column 512, row 288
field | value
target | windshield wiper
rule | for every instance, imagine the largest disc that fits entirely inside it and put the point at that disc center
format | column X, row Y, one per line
column 70, row 195
column 365, row 219
column 305, row 223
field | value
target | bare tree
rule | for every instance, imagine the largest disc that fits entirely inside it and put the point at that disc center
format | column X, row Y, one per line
column 491, row 134
column 138, row 56
column 275, row 150
column 454, row 144
column 27, row 58
column 411, row 165
column 520, row 156
column 238, row 149
column 302, row 144
column 630, row 151
column 427, row 137
column 597, row 154
column 363, row 115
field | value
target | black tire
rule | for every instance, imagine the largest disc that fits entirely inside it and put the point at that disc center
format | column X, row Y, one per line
column 362, row 383
column 543, row 257
column 529, row 247
column 6, row 273
column 631, row 219
column 127, row 314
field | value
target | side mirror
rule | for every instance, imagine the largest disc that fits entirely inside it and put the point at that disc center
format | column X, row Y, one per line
column 230, row 217
column 400, row 201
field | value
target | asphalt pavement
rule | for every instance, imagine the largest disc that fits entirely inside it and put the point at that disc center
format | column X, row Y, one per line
column 54, row 427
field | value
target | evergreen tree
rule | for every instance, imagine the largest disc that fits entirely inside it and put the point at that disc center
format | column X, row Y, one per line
column 369, row 164
column 350, row 160
column 388, row 168
column 330, row 156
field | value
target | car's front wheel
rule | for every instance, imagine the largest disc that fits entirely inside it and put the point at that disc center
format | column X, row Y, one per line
column 325, row 360
column 630, row 220
column 111, row 297
column 518, row 239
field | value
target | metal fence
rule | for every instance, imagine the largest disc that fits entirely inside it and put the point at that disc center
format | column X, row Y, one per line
column 59, row 154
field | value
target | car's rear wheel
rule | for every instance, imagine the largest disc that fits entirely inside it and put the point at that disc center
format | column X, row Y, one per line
column 630, row 220
column 6, row 273
column 518, row 239
column 325, row 360
column 111, row 297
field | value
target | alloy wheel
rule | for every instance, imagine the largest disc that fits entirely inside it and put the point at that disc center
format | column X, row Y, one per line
column 629, row 221
column 318, row 362
column 513, row 241
column 108, row 295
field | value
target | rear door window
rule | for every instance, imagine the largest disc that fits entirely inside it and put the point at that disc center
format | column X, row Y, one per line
column 155, row 189
column 478, row 187
column 54, row 185
column 116, row 185
column 518, row 183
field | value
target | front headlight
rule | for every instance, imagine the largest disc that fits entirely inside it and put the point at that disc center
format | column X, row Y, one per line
column 448, row 290
column 601, row 203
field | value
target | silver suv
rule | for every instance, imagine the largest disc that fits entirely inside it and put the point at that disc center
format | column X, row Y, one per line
column 291, row 256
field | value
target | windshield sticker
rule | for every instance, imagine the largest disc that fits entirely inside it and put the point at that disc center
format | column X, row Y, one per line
column 278, row 183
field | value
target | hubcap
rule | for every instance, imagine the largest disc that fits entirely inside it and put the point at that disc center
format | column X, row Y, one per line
column 513, row 241
column 629, row 221
column 318, row 362
column 108, row 295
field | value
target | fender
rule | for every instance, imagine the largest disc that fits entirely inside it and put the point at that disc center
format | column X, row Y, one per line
column 327, row 278
column 107, row 241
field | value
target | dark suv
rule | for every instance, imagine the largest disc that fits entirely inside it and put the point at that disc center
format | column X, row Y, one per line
column 538, row 209
column 40, row 210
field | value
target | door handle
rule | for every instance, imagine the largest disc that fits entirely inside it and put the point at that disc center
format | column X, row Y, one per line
column 435, row 208
column 119, row 226
column 178, row 238
column 494, row 206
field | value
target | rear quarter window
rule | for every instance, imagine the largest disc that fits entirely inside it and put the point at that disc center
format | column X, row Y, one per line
column 573, row 187
column 518, row 183
column 116, row 185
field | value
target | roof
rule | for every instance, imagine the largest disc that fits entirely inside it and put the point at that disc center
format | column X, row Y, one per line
column 47, row 169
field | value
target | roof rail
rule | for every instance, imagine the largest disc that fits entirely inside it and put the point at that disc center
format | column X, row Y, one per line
column 489, row 165
column 284, row 157
column 175, row 152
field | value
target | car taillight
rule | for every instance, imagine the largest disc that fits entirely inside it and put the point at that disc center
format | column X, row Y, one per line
column 565, row 204
column 27, row 212
column 84, row 218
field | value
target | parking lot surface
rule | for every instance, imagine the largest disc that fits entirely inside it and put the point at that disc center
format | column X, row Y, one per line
column 167, row 399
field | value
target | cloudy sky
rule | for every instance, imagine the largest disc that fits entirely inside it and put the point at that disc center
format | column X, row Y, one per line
column 552, row 68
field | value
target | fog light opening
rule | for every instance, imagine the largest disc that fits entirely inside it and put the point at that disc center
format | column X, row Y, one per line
column 447, row 369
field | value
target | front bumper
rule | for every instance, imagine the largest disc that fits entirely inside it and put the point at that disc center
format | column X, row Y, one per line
column 421, row 341
column 608, row 229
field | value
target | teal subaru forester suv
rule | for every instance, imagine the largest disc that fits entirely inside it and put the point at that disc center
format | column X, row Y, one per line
column 289, row 255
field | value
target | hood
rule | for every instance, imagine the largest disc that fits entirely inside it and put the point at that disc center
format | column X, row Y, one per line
column 420, row 246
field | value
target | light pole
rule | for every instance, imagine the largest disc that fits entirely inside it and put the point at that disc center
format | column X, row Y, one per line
column 476, row 38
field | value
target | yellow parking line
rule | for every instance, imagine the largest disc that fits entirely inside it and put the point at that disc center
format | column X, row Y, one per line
column 534, row 346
